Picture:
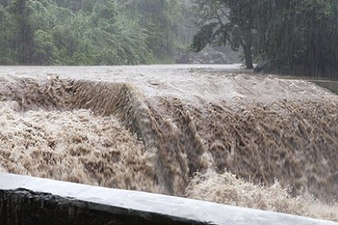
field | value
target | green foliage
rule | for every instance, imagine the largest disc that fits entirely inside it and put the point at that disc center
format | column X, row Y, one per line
column 298, row 37
column 301, row 37
column 6, row 37
column 161, row 20
column 224, row 22
column 205, row 36
column 74, row 32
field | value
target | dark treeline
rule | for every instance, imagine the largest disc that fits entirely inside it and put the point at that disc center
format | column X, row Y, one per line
column 291, row 36
column 86, row 32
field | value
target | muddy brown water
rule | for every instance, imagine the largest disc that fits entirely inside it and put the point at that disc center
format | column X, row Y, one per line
column 205, row 132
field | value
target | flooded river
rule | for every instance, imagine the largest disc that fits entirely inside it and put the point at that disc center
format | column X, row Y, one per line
column 216, row 133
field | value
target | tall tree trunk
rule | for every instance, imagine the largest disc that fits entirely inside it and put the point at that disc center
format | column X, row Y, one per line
column 24, row 33
column 248, row 57
column 247, row 45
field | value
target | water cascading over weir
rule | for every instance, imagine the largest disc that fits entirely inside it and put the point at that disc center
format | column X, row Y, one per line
column 118, row 135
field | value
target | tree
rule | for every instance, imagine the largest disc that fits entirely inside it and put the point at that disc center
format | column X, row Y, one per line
column 77, row 32
column 294, row 37
column 4, row 2
column 300, row 37
column 24, row 33
column 161, row 20
column 226, row 22
column 6, row 37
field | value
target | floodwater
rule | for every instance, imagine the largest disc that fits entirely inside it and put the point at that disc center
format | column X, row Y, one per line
column 208, row 132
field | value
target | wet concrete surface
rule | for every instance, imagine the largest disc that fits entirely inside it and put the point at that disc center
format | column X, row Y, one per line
column 330, row 85
column 27, row 200
column 33, row 208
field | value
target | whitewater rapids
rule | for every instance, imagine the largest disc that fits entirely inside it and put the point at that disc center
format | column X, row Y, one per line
column 214, row 133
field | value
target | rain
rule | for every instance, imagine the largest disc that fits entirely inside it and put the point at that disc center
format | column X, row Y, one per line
column 228, row 101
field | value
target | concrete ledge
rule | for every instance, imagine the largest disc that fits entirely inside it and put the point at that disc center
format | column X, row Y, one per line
column 330, row 85
column 27, row 201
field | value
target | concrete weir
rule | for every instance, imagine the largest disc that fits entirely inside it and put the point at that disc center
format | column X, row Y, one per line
column 330, row 85
column 27, row 201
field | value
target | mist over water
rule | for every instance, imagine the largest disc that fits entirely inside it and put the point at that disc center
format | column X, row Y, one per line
column 238, row 139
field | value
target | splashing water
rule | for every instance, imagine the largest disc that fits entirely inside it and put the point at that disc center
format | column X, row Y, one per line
column 143, row 136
